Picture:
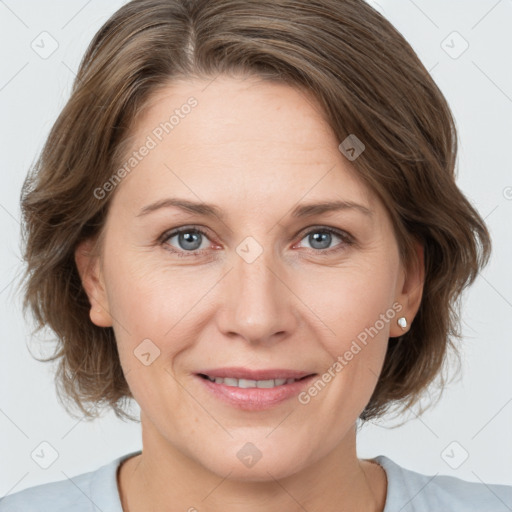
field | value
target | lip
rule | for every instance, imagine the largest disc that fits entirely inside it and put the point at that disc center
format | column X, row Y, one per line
column 254, row 399
column 239, row 372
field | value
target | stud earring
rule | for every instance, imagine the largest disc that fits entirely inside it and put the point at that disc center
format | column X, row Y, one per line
column 402, row 322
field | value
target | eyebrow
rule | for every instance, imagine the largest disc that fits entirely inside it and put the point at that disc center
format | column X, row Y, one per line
column 211, row 210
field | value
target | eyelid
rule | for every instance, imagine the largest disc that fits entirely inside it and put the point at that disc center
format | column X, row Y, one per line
column 322, row 227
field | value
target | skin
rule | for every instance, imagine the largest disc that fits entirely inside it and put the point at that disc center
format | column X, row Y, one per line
column 256, row 149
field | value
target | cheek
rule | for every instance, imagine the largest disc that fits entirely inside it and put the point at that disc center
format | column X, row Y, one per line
column 149, row 310
column 156, row 310
column 147, row 293
column 350, row 300
column 359, row 311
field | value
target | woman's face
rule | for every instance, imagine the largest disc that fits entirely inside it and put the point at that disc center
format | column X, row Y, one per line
column 266, row 287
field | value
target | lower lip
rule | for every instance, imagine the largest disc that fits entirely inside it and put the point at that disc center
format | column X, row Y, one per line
column 255, row 399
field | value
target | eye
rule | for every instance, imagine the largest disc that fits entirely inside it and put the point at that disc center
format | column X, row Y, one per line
column 188, row 241
column 192, row 241
column 320, row 239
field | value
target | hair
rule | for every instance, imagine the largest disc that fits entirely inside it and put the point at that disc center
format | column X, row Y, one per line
column 368, row 81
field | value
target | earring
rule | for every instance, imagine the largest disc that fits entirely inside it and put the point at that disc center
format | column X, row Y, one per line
column 402, row 322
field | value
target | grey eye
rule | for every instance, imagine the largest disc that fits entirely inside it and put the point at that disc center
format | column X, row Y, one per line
column 320, row 240
column 187, row 239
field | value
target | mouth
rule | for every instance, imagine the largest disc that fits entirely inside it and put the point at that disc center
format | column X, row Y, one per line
column 252, row 383
column 253, row 390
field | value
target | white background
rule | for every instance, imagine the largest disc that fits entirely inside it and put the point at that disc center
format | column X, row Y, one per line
column 476, row 409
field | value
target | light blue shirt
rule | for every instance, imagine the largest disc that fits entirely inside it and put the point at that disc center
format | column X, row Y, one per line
column 408, row 491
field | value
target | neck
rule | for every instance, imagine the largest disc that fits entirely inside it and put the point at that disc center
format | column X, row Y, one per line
column 162, row 476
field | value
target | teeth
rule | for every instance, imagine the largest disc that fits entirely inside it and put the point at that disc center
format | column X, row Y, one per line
column 244, row 383
column 247, row 383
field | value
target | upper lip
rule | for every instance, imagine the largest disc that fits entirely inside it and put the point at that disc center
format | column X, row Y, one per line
column 247, row 373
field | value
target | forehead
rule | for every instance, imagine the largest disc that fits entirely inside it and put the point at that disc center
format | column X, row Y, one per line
column 238, row 110
column 239, row 138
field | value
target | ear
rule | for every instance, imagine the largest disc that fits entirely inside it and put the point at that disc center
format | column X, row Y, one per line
column 411, row 292
column 89, row 269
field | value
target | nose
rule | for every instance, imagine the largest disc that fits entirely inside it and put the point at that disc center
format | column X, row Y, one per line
column 259, row 304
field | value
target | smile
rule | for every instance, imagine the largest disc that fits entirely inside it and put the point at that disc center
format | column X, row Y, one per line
column 248, row 383
column 253, row 394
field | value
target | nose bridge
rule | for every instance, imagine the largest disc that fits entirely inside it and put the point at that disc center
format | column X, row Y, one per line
column 259, row 303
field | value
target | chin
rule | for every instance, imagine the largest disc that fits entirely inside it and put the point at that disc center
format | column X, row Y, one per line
column 248, row 464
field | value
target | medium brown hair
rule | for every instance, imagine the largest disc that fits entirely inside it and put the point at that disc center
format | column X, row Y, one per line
column 367, row 80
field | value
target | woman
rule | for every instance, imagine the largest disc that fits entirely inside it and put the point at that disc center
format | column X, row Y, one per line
column 246, row 219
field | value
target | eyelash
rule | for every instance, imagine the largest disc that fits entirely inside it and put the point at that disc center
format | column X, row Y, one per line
column 347, row 240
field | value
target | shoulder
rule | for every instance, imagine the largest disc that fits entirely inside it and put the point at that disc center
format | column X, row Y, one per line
column 62, row 495
column 410, row 491
column 95, row 490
